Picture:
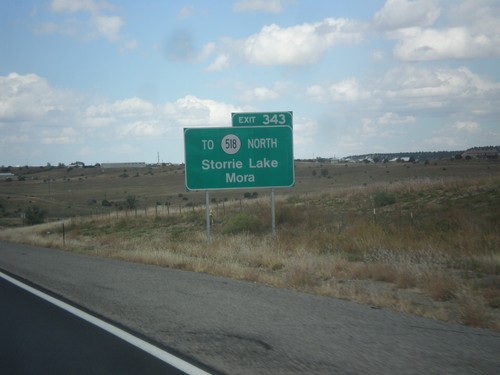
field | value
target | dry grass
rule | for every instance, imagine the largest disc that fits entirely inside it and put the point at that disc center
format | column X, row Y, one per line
column 435, row 252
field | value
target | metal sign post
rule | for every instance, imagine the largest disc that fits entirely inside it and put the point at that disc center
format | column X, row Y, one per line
column 273, row 213
column 207, row 215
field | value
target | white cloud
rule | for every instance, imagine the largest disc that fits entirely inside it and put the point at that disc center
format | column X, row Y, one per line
column 479, row 16
column 390, row 118
column 472, row 29
column 270, row 6
column 36, row 119
column 348, row 90
column 221, row 62
column 468, row 126
column 193, row 111
column 259, row 94
column 108, row 26
column 99, row 24
column 301, row 44
column 298, row 45
column 305, row 132
column 143, row 128
column 460, row 135
column 368, row 128
column 73, row 6
column 207, row 51
column 15, row 138
column 30, row 98
column 438, row 88
column 409, row 92
column 30, row 101
column 397, row 14
column 374, row 110
column 64, row 136
column 417, row 44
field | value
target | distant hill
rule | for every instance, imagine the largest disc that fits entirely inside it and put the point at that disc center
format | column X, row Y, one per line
column 419, row 156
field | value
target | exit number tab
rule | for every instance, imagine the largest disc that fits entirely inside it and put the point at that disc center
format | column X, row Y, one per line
column 262, row 118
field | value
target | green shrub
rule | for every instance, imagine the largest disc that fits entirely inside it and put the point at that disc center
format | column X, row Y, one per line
column 249, row 195
column 106, row 203
column 35, row 215
column 131, row 202
column 383, row 198
column 243, row 223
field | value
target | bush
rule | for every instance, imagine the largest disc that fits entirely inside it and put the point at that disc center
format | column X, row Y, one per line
column 131, row 202
column 35, row 215
column 106, row 203
column 243, row 223
column 249, row 195
column 383, row 198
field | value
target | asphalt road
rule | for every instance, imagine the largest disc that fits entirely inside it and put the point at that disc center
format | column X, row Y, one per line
column 40, row 338
column 240, row 327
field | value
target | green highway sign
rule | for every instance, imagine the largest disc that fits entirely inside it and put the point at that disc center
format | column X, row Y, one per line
column 239, row 157
column 262, row 118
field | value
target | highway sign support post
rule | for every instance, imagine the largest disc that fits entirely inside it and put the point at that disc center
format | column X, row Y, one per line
column 207, row 215
column 273, row 214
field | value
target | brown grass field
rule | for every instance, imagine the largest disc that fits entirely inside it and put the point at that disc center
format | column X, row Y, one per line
column 421, row 239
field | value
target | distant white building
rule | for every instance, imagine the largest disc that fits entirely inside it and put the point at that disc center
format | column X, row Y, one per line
column 5, row 176
column 123, row 165
column 404, row 159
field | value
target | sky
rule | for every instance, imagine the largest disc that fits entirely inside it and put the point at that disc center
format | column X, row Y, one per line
column 117, row 81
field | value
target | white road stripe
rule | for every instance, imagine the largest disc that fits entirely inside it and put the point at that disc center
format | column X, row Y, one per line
column 131, row 339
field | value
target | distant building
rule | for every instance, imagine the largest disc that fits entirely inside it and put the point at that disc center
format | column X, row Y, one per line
column 77, row 164
column 123, row 165
column 6, row 176
column 481, row 154
column 400, row 159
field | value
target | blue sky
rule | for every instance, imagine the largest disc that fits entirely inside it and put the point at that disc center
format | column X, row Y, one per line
column 117, row 81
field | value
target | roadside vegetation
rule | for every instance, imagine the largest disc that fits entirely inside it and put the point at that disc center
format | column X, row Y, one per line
column 424, row 246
